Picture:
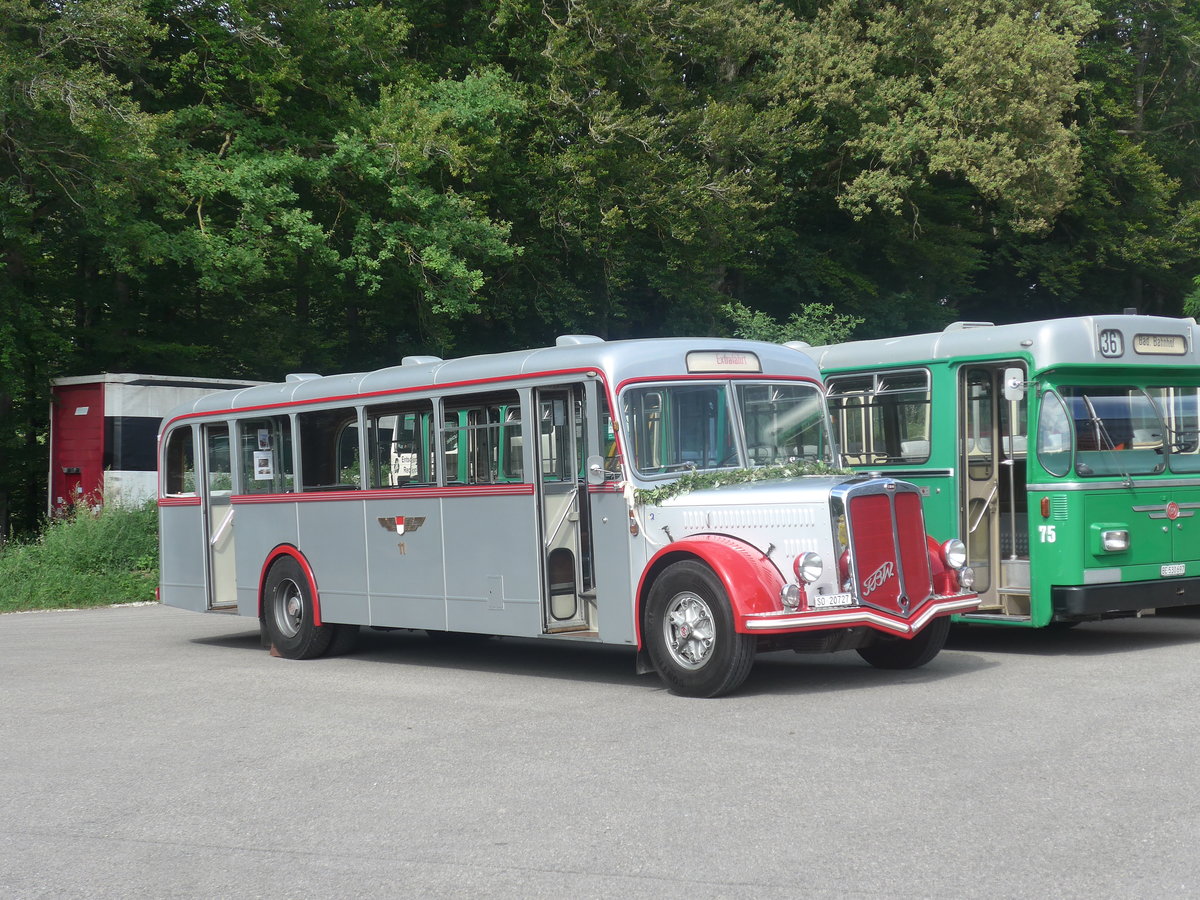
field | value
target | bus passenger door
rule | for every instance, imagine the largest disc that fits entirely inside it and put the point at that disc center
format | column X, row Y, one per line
column 218, row 517
column 567, row 589
column 994, row 509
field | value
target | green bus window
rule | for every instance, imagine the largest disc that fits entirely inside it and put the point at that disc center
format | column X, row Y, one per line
column 978, row 437
column 1054, row 435
column 1179, row 408
column 882, row 419
column 1117, row 431
column 266, row 455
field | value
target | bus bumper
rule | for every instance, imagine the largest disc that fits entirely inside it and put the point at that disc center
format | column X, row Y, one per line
column 1075, row 601
column 784, row 622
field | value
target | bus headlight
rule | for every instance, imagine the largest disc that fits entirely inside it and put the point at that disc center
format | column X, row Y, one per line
column 789, row 596
column 954, row 553
column 1115, row 540
column 808, row 567
column 966, row 578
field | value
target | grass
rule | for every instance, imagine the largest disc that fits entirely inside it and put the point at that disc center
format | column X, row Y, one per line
column 84, row 559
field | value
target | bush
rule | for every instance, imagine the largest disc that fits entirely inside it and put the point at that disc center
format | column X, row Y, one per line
column 86, row 558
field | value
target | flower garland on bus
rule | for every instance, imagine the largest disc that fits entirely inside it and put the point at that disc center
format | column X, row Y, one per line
column 695, row 481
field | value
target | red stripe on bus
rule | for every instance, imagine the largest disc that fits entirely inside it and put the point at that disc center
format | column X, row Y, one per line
column 178, row 501
column 727, row 376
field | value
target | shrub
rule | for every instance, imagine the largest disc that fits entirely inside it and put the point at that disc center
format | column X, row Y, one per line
column 86, row 558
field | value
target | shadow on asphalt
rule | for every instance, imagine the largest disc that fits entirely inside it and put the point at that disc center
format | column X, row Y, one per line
column 779, row 672
column 1164, row 629
column 774, row 673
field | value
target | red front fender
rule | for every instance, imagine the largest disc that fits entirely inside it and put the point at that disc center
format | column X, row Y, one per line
column 750, row 579
column 294, row 553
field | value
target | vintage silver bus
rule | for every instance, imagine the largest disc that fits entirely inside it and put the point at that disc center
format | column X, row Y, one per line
column 650, row 493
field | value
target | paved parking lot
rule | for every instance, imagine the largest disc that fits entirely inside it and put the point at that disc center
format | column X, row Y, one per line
column 149, row 752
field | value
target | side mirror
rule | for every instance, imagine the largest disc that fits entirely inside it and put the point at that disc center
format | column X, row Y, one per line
column 1014, row 384
column 595, row 470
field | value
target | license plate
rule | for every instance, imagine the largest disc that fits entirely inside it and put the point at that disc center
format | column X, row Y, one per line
column 828, row 601
column 1173, row 569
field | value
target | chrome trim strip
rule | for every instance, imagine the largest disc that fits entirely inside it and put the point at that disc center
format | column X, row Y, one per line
column 1109, row 485
column 861, row 616
column 945, row 606
column 899, row 472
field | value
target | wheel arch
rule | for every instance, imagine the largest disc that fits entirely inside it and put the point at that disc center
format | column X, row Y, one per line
column 751, row 581
column 289, row 550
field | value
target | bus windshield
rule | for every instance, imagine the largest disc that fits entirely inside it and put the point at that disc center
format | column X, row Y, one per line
column 709, row 426
column 1118, row 431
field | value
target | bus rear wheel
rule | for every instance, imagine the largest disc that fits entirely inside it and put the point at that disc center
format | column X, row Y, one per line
column 898, row 653
column 288, row 611
column 690, row 636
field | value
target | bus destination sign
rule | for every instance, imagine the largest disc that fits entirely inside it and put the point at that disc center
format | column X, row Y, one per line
column 722, row 361
column 1160, row 344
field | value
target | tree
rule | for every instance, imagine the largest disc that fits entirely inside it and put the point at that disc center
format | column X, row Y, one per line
column 1131, row 236
column 74, row 153
column 815, row 323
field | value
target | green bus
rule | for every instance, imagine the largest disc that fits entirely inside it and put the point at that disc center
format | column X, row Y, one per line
column 1065, row 454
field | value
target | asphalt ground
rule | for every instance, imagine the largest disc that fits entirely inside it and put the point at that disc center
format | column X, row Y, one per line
column 150, row 752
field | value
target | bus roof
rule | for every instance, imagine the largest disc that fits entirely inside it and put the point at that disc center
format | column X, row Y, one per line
column 1047, row 344
column 618, row 361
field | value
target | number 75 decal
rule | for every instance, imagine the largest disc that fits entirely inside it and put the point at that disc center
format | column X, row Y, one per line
column 1046, row 534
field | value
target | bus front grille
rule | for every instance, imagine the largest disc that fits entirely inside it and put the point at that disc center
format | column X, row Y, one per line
column 886, row 529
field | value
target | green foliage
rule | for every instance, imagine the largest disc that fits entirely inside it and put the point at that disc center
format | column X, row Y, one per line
column 695, row 481
column 816, row 323
column 83, row 559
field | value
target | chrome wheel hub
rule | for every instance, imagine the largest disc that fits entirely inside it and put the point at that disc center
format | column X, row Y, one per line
column 689, row 630
column 289, row 608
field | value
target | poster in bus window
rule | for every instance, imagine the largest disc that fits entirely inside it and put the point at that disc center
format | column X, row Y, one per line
column 264, row 465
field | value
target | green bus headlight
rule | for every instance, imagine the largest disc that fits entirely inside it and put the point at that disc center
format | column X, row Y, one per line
column 1115, row 540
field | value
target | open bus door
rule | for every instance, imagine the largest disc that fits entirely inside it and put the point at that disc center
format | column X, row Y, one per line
column 567, row 576
column 993, row 509
column 218, row 517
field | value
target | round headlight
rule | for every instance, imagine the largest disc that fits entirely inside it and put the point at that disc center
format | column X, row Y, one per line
column 808, row 567
column 789, row 596
column 966, row 578
column 954, row 553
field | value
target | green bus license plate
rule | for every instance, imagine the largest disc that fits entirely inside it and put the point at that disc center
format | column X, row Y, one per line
column 1173, row 569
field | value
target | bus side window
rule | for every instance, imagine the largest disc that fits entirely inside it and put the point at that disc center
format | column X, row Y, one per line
column 180, row 459
column 329, row 450
column 266, row 455
column 399, row 441
column 882, row 419
column 483, row 439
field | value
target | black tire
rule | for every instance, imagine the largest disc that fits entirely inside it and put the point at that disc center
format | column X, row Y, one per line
column 910, row 653
column 288, row 613
column 345, row 639
column 688, row 631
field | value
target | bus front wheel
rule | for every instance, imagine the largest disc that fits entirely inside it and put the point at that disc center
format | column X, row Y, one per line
column 689, row 633
column 288, row 613
column 899, row 653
